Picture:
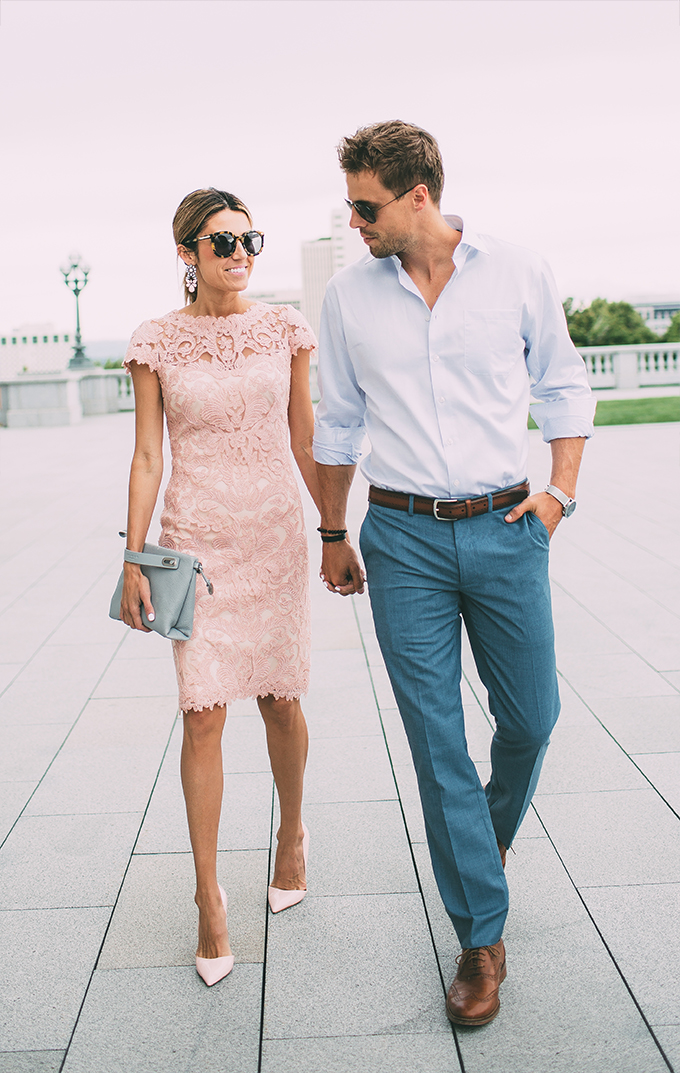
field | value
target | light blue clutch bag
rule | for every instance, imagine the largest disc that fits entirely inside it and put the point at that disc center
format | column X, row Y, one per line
column 172, row 577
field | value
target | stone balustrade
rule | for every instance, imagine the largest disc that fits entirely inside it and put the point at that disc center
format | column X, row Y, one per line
column 64, row 398
column 639, row 365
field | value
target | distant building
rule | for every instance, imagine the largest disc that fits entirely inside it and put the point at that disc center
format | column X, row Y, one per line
column 278, row 298
column 346, row 242
column 317, row 269
column 322, row 258
column 40, row 348
column 657, row 313
column 34, row 348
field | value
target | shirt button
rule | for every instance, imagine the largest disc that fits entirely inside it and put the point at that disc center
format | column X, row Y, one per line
column 442, row 399
column 449, row 443
column 456, row 484
column 435, row 357
column 427, row 316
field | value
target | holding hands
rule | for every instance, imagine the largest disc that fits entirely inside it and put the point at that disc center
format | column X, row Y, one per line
column 341, row 570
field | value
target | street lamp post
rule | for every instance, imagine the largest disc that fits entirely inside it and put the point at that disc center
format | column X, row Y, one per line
column 75, row 275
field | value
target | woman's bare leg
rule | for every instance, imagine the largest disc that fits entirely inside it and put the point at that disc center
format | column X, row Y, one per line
column 287, row 742
column 202, row 781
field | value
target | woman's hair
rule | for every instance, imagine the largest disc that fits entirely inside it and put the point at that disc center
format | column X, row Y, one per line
column 401, row 155
column 192, row 213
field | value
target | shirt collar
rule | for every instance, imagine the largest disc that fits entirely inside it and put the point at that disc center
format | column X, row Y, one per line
column 469, row 237
column 470, row 240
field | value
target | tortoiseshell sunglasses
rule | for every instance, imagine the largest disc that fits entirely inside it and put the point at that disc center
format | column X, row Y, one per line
column 224, row 242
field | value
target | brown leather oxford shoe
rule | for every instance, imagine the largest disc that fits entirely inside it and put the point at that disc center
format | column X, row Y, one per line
column 473, row 995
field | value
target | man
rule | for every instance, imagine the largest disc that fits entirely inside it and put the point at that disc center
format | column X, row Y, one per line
column 431, row 346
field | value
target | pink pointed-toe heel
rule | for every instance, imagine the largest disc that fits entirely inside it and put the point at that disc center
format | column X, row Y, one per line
column 211, row 970
column 283, row 899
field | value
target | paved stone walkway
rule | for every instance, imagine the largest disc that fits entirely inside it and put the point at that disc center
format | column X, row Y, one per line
column 97, row 924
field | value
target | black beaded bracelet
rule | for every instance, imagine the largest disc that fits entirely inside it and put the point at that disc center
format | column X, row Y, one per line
column 332, row 532
column 326, row 539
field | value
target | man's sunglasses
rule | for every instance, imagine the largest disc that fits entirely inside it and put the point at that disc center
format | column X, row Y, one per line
column 224, row 243
column 369, row 212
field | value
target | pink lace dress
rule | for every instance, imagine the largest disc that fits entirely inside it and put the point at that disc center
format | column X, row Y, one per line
column 233, row 499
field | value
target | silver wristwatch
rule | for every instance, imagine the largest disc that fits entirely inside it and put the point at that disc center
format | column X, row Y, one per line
column 568, row 505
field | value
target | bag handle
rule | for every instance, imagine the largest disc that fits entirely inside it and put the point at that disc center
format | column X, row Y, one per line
column 145, row 558
column 164, row 561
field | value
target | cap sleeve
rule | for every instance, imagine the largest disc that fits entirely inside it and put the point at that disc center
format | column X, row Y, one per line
column 300, row 335
column 144, row 346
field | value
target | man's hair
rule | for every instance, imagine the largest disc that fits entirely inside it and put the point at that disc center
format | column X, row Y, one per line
column 401, row 155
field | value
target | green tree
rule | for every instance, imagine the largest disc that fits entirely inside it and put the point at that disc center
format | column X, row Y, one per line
column 604, row 323
column 579, row 323
column 673, row 333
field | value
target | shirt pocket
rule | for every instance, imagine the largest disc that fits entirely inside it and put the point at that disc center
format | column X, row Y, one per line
column 493, row 344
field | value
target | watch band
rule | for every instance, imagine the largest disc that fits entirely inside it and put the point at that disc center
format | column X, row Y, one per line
column 568, row 504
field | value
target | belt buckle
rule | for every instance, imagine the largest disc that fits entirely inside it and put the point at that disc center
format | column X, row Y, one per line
column 435, row 508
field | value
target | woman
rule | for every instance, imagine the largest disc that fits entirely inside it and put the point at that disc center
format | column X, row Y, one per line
column 232, row 377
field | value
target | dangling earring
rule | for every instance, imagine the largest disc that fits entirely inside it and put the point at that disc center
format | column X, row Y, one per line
column 191, row 279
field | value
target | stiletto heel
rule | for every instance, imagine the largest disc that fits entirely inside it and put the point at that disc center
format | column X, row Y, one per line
column 211, row 970
column 283, row 899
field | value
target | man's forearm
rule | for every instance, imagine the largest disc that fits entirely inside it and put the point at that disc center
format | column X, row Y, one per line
column 340, row 568
column 334, row 485
column 566, row 460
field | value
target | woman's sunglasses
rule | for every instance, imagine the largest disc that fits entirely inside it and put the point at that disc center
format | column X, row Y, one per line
column 224, row 243
column 369, row 212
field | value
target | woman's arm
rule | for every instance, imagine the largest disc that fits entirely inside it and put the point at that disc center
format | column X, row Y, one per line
column 145, row 478
column 301, row 423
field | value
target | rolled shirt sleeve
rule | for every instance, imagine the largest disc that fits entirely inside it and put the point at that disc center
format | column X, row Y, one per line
column 562, row 403
column 339, row 427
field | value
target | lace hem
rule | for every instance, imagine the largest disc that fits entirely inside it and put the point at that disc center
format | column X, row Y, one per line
column 143, row 353
column 300, row 334
column 220, row 700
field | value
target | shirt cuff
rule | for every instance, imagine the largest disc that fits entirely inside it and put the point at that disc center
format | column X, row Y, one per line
column 562, row 427
column 338, row 446
column 562, row 419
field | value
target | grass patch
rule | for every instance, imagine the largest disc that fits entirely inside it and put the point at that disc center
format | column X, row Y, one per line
column 635, row 411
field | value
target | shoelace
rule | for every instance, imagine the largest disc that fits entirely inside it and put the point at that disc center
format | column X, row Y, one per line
column 471, row 961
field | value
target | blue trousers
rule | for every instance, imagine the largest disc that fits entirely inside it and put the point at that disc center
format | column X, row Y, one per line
column 423, row 576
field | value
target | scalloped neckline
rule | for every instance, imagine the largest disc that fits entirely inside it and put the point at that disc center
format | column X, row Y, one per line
column 207, row 316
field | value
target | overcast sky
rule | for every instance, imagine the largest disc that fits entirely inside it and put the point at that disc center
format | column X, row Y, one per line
column 557, row 120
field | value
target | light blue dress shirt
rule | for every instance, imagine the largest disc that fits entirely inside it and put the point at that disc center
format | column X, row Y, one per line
column 443, row 395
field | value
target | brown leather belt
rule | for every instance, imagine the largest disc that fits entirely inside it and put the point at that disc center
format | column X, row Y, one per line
column 448, row 510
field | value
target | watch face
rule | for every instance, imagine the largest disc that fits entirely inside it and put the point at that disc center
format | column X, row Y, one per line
column 569, row 509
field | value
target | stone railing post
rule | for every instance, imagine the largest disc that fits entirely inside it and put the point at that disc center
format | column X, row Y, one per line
column 626, row 368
